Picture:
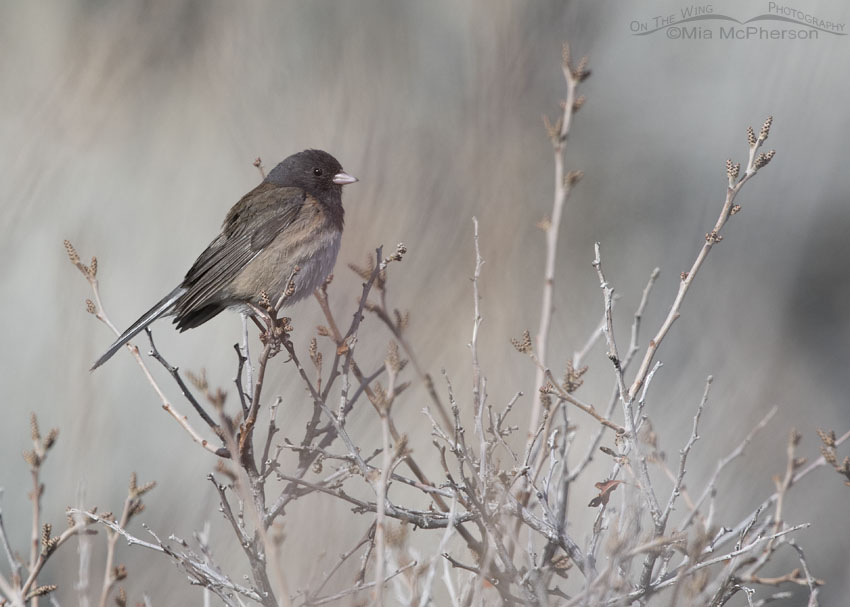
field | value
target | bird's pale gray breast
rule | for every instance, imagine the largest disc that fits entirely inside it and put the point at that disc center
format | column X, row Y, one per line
column 270, row 270
column 316, row 264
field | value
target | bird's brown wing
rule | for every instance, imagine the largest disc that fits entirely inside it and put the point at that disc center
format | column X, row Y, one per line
column 249, row 227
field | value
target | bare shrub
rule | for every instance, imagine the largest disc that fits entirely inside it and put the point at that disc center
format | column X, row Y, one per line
column 496, row 529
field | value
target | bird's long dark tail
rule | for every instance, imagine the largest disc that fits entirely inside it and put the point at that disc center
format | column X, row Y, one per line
column 162, row 307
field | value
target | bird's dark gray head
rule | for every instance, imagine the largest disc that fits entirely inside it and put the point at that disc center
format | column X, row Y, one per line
column 313, row 170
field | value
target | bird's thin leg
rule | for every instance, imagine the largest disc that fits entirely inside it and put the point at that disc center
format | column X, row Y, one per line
column 249, row 366
column 258, row 314
column 257, row 322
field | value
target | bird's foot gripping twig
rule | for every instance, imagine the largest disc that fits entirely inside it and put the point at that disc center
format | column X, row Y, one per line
column 274, row 331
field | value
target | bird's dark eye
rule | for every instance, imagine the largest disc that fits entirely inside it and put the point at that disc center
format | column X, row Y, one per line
column 317, row 172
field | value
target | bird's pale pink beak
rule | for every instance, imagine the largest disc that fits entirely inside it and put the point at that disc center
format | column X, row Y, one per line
column 343, row 178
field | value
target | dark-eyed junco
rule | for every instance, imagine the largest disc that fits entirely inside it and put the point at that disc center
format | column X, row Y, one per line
column 293, row 218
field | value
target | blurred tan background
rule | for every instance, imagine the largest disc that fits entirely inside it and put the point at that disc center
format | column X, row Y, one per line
column 130, row 128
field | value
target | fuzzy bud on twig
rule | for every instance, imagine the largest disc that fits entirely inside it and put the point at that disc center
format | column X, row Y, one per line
column 765, row 128
column 35, row 434
column 732, row 169
column 523, row 345
column 581, row 72
column 72, row 252
column 579, row 102
column 400, row 250
column 40, row 591
column 751, row 136
column 51, row 438
column 762, row 159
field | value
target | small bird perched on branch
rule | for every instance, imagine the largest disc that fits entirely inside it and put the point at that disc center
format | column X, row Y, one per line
column 293, row 218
